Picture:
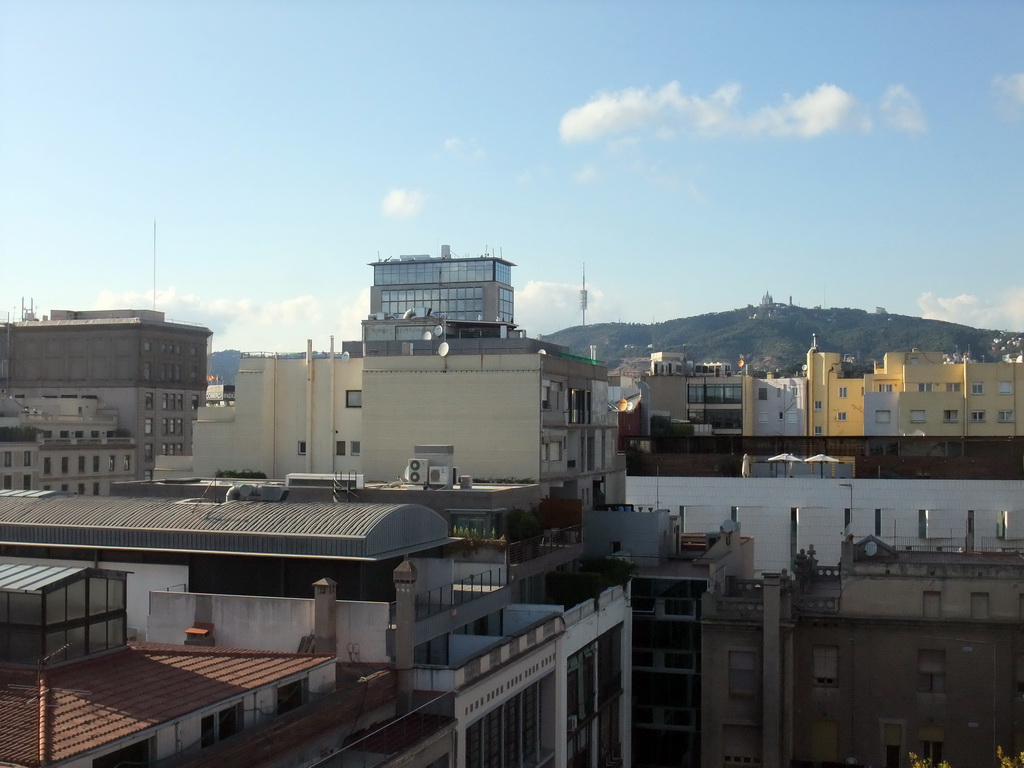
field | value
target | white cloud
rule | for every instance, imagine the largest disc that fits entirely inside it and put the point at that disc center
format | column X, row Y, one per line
column 1006, row 312
column 465, row 150
column 586, row 175
column 402, row 203
column 1009, row 91
column 252, row 324
column 826, row 109
column 901, row 110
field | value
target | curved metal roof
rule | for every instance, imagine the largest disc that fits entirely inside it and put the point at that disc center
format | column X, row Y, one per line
column 350, row 531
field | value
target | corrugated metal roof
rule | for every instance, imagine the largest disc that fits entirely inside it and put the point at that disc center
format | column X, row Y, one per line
column 353, row 531
column 31, row 578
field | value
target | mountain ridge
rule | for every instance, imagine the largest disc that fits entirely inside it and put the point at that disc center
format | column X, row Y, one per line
column 775, row 338
column 769, row 338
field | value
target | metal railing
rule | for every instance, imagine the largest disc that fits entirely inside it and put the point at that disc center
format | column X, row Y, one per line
column 530, row 549
column 449, row 596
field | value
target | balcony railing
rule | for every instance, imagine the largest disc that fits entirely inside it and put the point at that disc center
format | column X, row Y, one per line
column 530, row 549
column 450, row 596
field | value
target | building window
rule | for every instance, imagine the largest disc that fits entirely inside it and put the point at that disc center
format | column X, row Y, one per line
column 742, row 673
column 8, row 458
column 953, row 386
column 817, row 431
column 885, row 387
column 302, row 447
column 931, row 671
column 1005, row 416
column 339, row 447
column 127, row 462
column 355, row 447
column 931, row 738
column 924, row 386
column 979, row 605
column 843, row 391
column 1005, row 388
column 111, row 463
column 917, row 417
column 762, row 393
column 26, row 458
column 841, row 416
column 878, row 522
column 81, row 464
column 977, row 388
column 977, row 417
column 46, row 465
column 883, row 417
column 8, row 482
column 290, row 696
column 826, row 664
column 64, row 465
column 147, row 371
column 817, row 405
column 147, row 428
column 147, row 451
column 353, row 398
column 951, row 416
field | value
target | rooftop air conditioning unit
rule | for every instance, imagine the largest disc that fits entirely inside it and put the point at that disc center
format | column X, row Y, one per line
column 416, row 472
column 439, row 476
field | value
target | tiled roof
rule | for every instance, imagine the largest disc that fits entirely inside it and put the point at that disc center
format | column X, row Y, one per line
column 365, row 531
column 99, row 700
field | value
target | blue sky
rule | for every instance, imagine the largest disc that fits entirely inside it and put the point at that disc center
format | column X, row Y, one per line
column 692, row 155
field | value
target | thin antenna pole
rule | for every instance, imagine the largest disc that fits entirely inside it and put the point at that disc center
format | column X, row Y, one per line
column 154, row 264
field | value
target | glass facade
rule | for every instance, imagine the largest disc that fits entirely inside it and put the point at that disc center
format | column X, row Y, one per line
column 75, row 618
column 439, row 271
column 453, row 303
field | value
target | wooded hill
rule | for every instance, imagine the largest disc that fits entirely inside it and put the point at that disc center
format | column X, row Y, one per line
column 774, row 338
column 777, row 338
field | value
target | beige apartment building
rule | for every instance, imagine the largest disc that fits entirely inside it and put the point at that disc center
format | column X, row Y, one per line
column 439, row 364
column 929, row 393
column 150, row 371
column 896, row 650
column 68, row 443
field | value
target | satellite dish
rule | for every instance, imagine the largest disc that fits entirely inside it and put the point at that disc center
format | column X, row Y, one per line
column 345, row 356
column 443, row 349
column 438, row 330
column 427, row 335
column 542, row 352
column 728, row 526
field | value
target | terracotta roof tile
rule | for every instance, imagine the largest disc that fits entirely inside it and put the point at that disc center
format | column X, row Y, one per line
column 108, row 697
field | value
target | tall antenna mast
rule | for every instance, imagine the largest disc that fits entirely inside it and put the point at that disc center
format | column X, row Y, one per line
column 154, row 264
column 583, row 294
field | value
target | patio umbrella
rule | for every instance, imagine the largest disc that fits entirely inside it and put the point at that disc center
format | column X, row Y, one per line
column 789, row 458
column 821, row 460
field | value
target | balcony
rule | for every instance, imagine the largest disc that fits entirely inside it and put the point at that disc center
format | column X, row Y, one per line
column 538, row 546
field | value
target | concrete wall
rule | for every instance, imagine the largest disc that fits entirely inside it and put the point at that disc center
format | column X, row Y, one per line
column 269, row 623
